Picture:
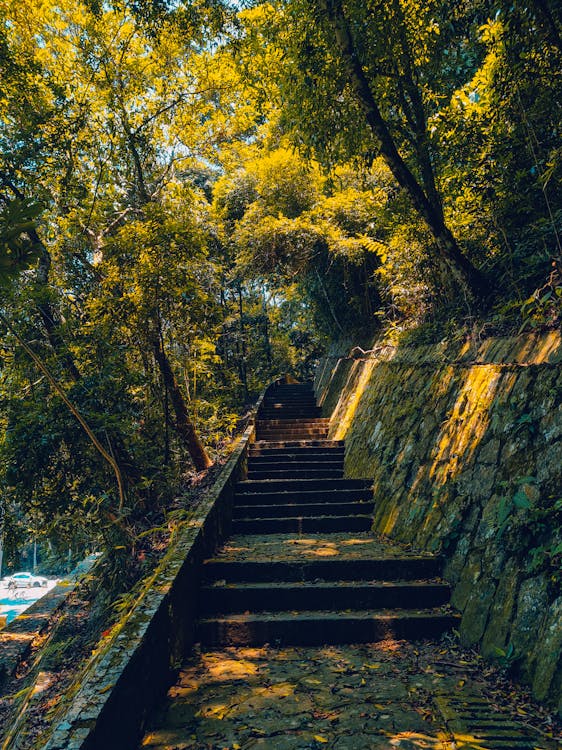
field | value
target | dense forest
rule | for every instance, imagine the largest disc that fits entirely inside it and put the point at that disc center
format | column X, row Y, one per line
column 196, row 197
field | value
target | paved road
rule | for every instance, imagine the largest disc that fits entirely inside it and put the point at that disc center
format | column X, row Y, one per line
column 14, row 602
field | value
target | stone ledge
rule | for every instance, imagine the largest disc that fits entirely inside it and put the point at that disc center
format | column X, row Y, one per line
column 124, row 681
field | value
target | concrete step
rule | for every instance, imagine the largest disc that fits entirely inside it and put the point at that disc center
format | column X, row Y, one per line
column 322, row 595
column 301, row 485
column 283, row 454
column 276, row 434
column 387, row 568
column 317, row 421
column 305, row 429
column 294, row 415
column 301, row 525
column 326, row 627
column 296, row 473
column 303, row 497
column 297, row 388
column 288, row 454
column 280, row 406
column 290, row 428
column 283, row 445
column 273, row 464
column 301, row 509
column 314, row 456
column 284, row 402
column 302, row 395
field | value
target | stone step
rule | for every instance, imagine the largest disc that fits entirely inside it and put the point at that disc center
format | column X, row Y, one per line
column 281, row 454
column 278, row 433
column 305, row 430
column 280, row 406
column 273, row 464
column 304, row 498
column 297, row 454
column 296, row 473
column 288, row 386
column 297, row 388
column 322, row 595
column 289, row 397
column 384, row 568
column 301, row 485
column 293, row 415
column 313, row 461
column 301, row 509
column 308, row 423
column 320, row 421
column 283, row 445
column 301, row 525
column 323, row 628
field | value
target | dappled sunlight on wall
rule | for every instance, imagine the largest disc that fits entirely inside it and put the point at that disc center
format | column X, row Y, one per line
column 466, row 425
column 463, row 443
column 345, row 411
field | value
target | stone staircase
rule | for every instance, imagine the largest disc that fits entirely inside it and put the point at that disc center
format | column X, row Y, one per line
column 303, row 573
column 301, row 567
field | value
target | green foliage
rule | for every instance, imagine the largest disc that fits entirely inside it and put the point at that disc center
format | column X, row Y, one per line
column 203, row 176
column 17, row 249
column 505, row 657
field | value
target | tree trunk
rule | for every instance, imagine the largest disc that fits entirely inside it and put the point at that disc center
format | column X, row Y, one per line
column 184, row 425
column 465, row 274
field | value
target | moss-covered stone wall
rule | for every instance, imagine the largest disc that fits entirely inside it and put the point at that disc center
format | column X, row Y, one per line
column 464, row 444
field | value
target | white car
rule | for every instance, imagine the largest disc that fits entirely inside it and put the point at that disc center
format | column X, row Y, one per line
column 24, row 580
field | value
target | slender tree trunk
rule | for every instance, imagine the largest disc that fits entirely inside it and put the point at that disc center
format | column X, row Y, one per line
column 243, row 353
column 184, row 425
column 465, row 274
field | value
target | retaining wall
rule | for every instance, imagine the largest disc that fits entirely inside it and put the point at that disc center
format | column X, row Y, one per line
column 464, row 444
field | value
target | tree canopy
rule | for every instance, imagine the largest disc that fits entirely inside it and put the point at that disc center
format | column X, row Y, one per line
column 196, row 197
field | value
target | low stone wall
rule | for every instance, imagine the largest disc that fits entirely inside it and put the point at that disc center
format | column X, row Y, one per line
column 129, row 676
column 464, row 444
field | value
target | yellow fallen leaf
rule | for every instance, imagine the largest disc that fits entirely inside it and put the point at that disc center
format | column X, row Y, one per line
column 319, row 738
column 373, row 666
